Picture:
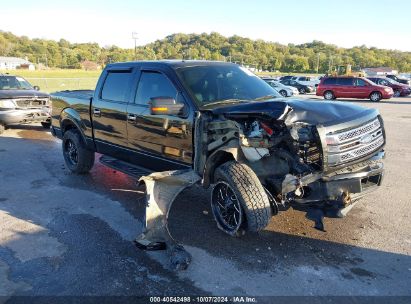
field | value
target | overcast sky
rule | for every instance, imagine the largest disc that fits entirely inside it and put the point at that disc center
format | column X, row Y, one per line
column 346, row 23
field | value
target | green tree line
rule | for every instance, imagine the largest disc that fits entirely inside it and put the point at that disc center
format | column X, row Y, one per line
column 270, row 56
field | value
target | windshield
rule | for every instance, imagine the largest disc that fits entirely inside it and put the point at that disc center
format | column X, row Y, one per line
column 220, row 83
column 392, row 81
column 14, row 83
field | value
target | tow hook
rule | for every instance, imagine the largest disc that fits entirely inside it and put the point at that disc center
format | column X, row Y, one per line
column 346, row 198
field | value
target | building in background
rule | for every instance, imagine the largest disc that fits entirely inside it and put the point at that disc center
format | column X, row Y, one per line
column 381, row 71
column 14, row 63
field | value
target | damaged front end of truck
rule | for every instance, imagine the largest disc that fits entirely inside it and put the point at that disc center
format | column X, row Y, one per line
column 317, row 157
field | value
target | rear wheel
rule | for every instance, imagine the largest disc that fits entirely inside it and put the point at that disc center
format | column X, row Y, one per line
column 238, row 200
column 283, row 93
column 302, row 90
column 77, row 157
column 397, row 93
column 329, row 95
column 375, row 96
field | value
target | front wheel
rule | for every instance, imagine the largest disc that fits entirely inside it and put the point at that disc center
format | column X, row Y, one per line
column 375, row 96
column 283, row 93
column 302, row 90
column 77, row 157
column 397, row 93
column 238, row 200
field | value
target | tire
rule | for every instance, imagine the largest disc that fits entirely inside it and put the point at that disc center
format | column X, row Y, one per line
column 46, row 125
column 77, row 157
column 397, row 93
column 2, row 128
column 283, row 93
column 328, row 95
column 302, row 91
column 245, row 193
column 375, row 96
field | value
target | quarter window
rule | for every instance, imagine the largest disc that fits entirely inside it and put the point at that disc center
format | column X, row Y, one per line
column 116, row 86
column 154, row 84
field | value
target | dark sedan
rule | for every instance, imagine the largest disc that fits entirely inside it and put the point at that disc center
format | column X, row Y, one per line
column 398, row 88
column 302, row 88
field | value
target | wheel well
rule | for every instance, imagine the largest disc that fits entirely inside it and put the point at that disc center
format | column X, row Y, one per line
column 67, row 125
column 214, row 161
column 375, row 92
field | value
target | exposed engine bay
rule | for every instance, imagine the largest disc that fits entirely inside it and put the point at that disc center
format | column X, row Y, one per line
column 289, row 155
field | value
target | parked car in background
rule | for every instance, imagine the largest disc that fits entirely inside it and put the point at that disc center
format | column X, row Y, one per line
column 288, row 77
column 352, row 87
column 302, row 88
column 285, row 91
column 398, row 79
column 399, row 89
column 307, row 80
column 22, row 103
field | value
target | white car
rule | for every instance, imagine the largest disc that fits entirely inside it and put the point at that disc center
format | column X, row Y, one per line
column 284, row 90
column 307, row 80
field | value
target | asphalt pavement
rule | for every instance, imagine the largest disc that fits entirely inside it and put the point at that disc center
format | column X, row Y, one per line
column 68, row 235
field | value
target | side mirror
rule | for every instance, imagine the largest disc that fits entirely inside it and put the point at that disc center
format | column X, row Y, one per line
column 37, row 88
column 165, row 106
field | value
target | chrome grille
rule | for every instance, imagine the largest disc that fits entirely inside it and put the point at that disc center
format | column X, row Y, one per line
column 31, row 103
column 374, row 125
column 349, row 145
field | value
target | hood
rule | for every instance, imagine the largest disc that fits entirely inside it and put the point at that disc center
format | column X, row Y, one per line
column 11, row 94
column 307, row 111
column 324, row 113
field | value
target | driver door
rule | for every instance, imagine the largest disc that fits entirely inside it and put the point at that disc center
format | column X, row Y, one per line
column 162, row 142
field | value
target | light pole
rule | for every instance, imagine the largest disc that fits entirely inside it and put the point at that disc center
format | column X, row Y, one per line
column 318, row 62
column 134, row 35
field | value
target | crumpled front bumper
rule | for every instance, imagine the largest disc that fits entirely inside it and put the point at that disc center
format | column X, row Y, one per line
column 17, row 116
column 337, row 191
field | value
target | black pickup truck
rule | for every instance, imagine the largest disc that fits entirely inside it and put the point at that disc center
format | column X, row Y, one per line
column 260, row 153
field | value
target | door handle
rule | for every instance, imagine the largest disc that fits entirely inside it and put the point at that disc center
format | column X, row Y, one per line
column 131, row 117
column 96, row 112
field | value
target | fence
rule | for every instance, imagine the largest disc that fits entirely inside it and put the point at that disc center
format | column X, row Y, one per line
column 60, row 84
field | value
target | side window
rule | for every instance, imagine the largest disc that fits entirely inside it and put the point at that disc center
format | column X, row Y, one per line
column 383, row 82
column 330, row 81
column 345, row 81
column 116, row 86
column 360, row 83
column 153, row 84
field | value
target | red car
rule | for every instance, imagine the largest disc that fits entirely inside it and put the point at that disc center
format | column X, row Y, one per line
column 352, row 87
column 399, row 89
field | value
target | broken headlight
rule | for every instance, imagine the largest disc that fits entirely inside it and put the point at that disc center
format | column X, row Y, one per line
column 7, row 104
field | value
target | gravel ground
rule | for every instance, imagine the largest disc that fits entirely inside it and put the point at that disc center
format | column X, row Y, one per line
column 67, row 235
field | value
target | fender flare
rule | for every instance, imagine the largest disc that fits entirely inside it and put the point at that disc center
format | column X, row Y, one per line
column 70, row 117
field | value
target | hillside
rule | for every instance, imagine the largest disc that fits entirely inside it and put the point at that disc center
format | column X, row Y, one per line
column 264, row 55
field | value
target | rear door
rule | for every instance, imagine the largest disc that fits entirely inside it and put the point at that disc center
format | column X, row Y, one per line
column 109, row 111
column 162, row 142
column 344, row 87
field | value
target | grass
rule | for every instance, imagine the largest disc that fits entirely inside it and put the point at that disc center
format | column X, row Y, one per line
column 59, row 80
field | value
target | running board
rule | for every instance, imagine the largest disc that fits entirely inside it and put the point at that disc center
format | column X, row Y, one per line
column 124, row 167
